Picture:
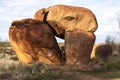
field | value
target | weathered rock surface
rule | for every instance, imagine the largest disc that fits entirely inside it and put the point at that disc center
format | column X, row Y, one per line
column 77, row 25
column 62, row 17
column 101, row 50
column 33, row 41
column 78, row 46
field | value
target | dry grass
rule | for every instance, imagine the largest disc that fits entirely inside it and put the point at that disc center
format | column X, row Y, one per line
column 11, row 69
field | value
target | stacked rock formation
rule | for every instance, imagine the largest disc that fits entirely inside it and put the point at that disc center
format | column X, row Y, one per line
column 34, row 40
column 77, row 25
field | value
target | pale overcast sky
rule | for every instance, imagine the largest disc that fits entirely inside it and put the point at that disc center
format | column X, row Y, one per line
column 106, row 12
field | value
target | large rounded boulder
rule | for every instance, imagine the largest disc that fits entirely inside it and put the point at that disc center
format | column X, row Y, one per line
column 33, row 41
column 62, row 17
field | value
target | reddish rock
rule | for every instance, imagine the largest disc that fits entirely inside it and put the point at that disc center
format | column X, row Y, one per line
column 33, row 41
column 77, row 25
column 78, row 46
column 36, row 39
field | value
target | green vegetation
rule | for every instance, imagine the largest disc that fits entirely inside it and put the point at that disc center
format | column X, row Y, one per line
column 113, row 63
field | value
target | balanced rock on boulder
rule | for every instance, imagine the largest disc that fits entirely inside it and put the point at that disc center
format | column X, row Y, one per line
column 33, row 41
column 77, row 25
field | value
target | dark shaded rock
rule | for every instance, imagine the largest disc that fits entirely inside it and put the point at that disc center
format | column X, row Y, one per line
column 102, row 50
column 78, row 46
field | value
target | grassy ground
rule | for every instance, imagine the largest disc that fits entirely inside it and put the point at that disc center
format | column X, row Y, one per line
column 11, row 69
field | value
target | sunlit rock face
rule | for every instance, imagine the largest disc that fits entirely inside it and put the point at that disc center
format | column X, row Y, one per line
column 62, row 17
column 33, row 41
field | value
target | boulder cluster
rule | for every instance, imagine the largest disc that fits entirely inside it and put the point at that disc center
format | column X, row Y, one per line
column 33, row 40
